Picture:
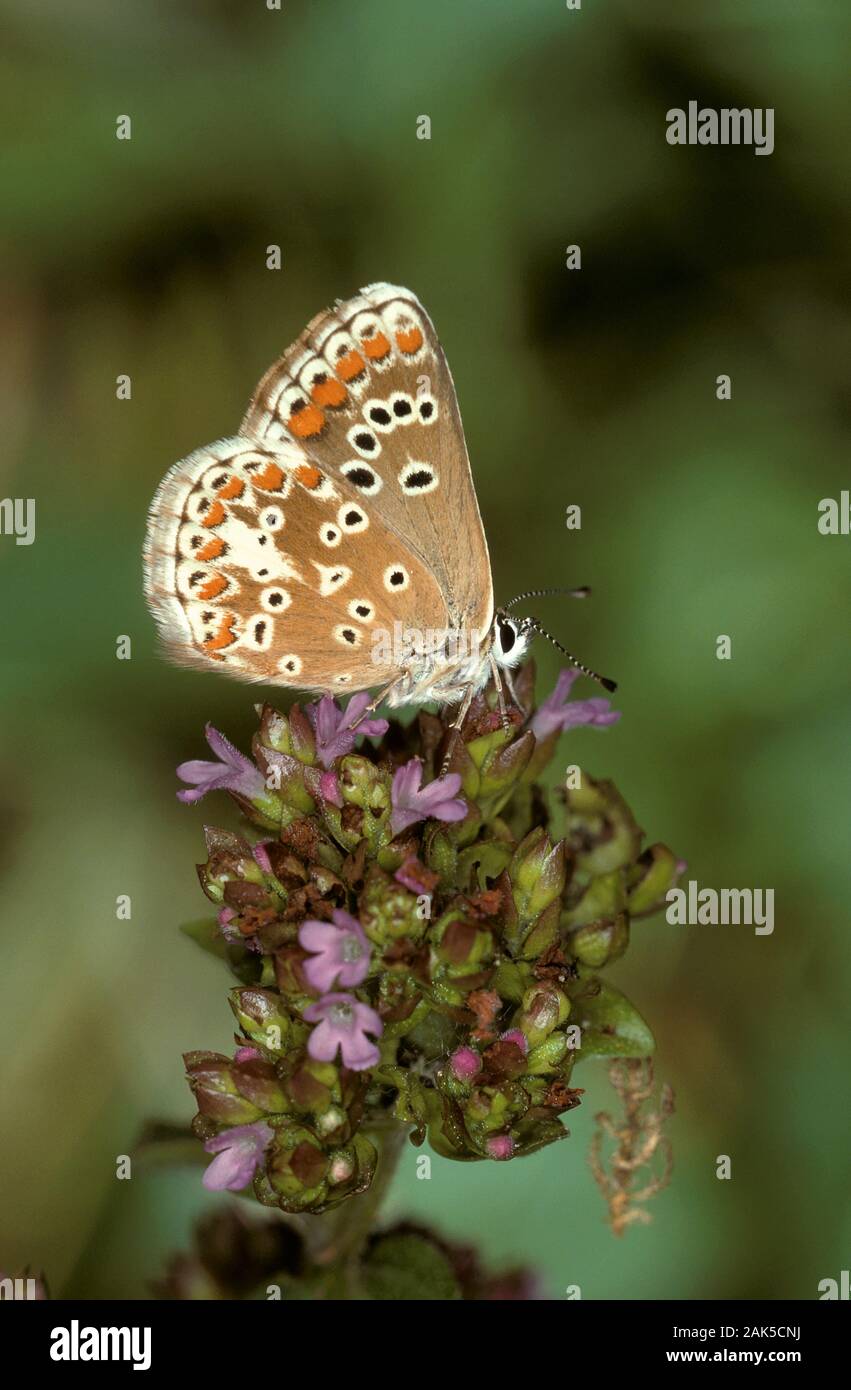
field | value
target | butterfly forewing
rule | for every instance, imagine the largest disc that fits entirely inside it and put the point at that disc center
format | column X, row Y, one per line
column 340, row 519
column 368, row 391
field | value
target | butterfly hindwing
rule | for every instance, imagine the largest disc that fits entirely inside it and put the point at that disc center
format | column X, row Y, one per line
column 260, row 563
column 367, row 390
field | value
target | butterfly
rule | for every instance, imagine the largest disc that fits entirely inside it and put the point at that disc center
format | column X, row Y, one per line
column 335, row 543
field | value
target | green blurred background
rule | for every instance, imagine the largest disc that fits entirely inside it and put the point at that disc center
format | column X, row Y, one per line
column 595, row 387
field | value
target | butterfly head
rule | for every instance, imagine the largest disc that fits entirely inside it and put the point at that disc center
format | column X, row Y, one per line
column 510, row 637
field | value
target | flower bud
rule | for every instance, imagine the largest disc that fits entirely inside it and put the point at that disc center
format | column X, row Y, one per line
column 259, row 1014
column 544, row 1007
column 598, row 942
column 211, row 1078
column 650, row 878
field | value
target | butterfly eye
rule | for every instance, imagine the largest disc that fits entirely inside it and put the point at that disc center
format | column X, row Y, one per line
column 272, row 518
column 507, row 635
column 329, row 534
column 348, row 636
column 361, row 610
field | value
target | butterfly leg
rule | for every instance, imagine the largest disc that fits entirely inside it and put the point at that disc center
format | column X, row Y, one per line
column 382, row 695
column 509, row 681
column 455, row 729
column 503, row 712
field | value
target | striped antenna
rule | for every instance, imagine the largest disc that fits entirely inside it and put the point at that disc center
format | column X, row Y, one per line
column 586, row 670
column 583, row 592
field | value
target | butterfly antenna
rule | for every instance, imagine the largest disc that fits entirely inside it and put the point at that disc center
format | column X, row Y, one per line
column 583, row 592
column 580, row 666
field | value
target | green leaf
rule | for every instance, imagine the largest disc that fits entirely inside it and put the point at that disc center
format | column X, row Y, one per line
column 611, row 1025
column 204, row 931
column 408, row 1266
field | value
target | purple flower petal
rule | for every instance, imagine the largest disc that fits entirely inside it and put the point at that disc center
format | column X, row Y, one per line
column 411, row 803
column 333, row 727
column 343, row 1022
column 340, row 952
column 234, row 772
column 239, row 1153
column 555, row 715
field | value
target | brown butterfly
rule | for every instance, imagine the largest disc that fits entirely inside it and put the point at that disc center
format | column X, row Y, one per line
column 335, row 543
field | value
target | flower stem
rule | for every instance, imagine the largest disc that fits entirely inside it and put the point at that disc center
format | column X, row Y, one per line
column 355, row 1223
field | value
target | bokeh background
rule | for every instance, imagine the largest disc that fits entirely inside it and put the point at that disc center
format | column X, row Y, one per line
column 596, row 387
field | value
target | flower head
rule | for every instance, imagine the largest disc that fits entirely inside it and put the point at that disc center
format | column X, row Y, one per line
column 343, row 1022
column 556, row 715
column 411, row 802
column 340, row 952
column 239, row 1153
column 334, row 728
column 233, row 772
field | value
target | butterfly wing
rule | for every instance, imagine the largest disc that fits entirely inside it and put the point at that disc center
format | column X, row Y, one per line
column 367, row 390
column 259, row 563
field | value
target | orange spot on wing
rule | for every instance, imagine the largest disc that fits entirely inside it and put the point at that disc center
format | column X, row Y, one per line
column 350, row 366
column 225, row 637
column 409, row 340
column 213, row 587
column 376, row 347
column 306, row 423
column 212, row 550
column 329, row 393
column 308, row 476
column 234, row 487
column 214, row 515
column 271, row 478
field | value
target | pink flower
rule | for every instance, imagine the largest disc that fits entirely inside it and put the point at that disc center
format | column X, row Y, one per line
column 500, row 1146
column 465, row 1063
column 239, row 1153
column 340, row 950
column 334, row 728
column 556, row 715
column 519, row 1039
column 233, row 772
column 343, row 1022
column 437, row 801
